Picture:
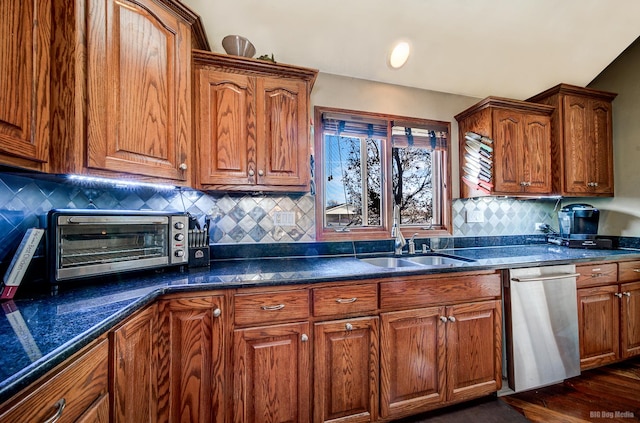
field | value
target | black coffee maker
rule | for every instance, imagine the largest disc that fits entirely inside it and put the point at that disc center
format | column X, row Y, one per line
column 579, row 227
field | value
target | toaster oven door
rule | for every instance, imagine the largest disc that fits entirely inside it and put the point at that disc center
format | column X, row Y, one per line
column 96, row 245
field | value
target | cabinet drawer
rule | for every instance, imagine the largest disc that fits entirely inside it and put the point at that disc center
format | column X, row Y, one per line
column 80, row 384
column 596, row 274
column 629, row 271
column 345, row 299
column 424, row 292
column 271, row 307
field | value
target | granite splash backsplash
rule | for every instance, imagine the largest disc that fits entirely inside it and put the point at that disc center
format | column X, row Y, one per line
column 236, row 218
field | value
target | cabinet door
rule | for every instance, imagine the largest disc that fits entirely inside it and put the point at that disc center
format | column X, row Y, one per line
column 24, row 82
column 576, row 147
column 192, row 360
column 600, row 141
column 598, row 325
column 282, row 133
column 225, row 128
column 630, row 319
column 508, row 154
column 346, row 370
column 412, row 361
column 138, row 89
column 536, row 154
column 97, row 413
column 588, row 146
column 272, row 374
column 135, row 375
column 474, row 349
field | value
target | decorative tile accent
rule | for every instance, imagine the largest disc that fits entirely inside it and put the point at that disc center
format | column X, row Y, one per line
column 235, row 218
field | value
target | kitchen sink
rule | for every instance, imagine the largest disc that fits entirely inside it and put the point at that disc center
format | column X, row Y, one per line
column 388, row 262
column 413, row 261
column 435, row 260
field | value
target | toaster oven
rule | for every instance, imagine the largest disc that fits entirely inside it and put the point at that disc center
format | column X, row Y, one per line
column 85, row 243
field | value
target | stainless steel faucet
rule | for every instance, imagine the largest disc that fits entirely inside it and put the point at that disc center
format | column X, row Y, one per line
column 399, row 241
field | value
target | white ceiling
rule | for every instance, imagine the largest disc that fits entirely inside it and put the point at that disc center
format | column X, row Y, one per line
column 508, row 48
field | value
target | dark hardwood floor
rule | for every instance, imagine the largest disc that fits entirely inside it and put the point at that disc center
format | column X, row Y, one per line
column 605, row 394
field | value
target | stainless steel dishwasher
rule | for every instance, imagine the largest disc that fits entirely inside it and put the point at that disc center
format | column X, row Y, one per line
column 541, row 326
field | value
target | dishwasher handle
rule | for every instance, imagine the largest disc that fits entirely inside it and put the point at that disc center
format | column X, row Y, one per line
column 547, row 278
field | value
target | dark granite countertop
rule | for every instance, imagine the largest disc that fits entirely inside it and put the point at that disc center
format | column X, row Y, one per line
column 41, row 331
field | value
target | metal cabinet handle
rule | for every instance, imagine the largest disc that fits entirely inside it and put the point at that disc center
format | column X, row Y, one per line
column 260, row 172
column 183, row 166
column 217, row 312
column 626, row 294
column 597, row 275
column 304, row 337
column 592, row 184
column 346, row 300
column 348, row 326
column 617, row 294
column 443, row 319
column 273, row 307
column 452, row 319
column 59, row 408
column 251, row 172
column 636, row 270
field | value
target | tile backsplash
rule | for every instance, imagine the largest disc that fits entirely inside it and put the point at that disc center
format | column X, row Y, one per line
column 236, row 218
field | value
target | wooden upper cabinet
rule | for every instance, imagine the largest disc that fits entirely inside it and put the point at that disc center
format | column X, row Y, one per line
column 582, row 142
column 138, row 67
column 24, row 83
column 521, row 134
column 251, row 126
column 121, row 89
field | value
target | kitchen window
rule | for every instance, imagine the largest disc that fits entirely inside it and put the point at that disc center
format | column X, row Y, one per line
column 367, row 162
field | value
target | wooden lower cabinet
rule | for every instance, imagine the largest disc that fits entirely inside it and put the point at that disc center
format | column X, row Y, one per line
column 439, row 355
column 598, row 323
column 272, row 374
column 192, row 359
column 77, row 390
column 474, row 346
column 412, row 360
column 630, row 319
column 135, row 374
column 346, row 370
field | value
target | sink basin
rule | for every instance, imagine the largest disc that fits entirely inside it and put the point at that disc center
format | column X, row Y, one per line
column 409, row 261
column 389, row 262
column 435, row 260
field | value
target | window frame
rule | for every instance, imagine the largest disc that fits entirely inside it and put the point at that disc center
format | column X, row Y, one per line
column 384, row 231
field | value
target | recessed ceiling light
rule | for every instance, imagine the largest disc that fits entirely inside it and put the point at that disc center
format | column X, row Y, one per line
column 399, row 55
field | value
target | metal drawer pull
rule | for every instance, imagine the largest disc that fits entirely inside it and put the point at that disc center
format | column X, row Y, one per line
column 617, row 294
column 597, row 269
column 547, row 278
column 597, row 275
column 636, row 270
column 348, row 326
column 626, row 294
column 217, row 312
column 304, row 337
column 443, row 319
column 346, row 300
column 60, row 407
column 273, row 307
column 452, row 319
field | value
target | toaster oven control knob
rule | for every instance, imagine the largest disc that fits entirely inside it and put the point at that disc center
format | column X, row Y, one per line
column 178, row 225
column 179, row 253
column 179, row 237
